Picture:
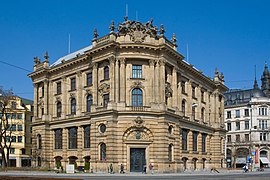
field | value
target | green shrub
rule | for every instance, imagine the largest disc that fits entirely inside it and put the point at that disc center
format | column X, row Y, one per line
column 87, row 166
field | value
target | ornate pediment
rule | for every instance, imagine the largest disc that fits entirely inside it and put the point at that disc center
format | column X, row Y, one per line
column 104, row 88
column 137, row 84
column 137, row 30
column 138, row 135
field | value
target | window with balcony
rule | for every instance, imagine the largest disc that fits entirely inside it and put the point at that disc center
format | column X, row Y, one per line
column 73, row 106
column 136, row 71
column 106, row 98
column 137, row 97
column 58, row 109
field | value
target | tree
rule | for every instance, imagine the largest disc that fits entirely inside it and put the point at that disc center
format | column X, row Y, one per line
column 6, row 97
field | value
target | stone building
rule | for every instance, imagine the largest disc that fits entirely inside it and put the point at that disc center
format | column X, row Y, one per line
column 19, row 112
column 131, row 99
column 247, row 120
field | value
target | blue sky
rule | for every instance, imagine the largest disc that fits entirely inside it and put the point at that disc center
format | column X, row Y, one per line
column 232, row 35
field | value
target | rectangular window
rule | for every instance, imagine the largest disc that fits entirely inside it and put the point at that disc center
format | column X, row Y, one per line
column 13, row 127
column 229, row 138
column 237, row 138
column 13, row 116
column 193, row 91
column 246, row 137
column 13, row 105
column 203, row 143
column 106, row 99
column 262, row 111
column 195, row 141
column 229, row 114
column 237, row 125
column 89, row 79
column 263, row 136
column 246, row 112
column 19, row 138
column 246, row 124
column 136, row 71
column 19, row 116
column 13, row 138
column 12, row 150
column 72, row 138
column 237, row 113
column 58, row 139
column 73, row 84
column 58, row 88
column 202, row 96
column 229, row 126
column 183, row 86
column 19, row 127
column 184, row 139
column 263, row 124
column 86, row 137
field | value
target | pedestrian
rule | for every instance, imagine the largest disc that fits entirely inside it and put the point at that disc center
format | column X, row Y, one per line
column 144, row 169
column 111, row 168
column 151, row 168
column 122, row 169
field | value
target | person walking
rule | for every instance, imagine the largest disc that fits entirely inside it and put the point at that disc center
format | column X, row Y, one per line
column 151, row 168
column 144, row 169
column 122, row 169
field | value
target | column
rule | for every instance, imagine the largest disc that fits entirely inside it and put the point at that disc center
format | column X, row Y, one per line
column 65, row 142
column 152, row 82
column 112, row 61
column 156, row 94
column 36, row 100
column 79, row 92
column 117, row 81
column 174, row 88
column 95, row 84
column 162, row 80
column 46, row 96
column 65, row 98
column 123, row 80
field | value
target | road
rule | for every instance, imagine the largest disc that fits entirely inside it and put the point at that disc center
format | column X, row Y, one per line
column 239, row 175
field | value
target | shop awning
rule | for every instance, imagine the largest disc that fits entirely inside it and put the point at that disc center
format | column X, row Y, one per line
column 264, row 160
column 240, row 160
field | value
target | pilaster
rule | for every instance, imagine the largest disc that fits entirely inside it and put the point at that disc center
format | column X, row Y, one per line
column 122, row 80
column 112, row 69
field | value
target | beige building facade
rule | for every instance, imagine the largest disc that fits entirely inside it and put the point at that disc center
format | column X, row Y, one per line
column 130, row 99
column 19, row 113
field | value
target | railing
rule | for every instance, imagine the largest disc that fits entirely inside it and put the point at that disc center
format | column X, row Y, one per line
column 137, row 108
column 103, row 40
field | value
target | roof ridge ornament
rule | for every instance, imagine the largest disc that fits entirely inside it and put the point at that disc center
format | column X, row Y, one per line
column 95, row 34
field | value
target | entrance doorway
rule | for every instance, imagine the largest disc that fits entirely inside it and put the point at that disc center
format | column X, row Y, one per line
column 137, row 159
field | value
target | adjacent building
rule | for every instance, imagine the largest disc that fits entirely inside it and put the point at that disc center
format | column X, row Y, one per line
column 247, row 120
column 128, row 98
column 19, row 113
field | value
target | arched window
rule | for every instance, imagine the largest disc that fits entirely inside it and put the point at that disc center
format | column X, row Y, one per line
column 170, row 149
column 184, row 107
column 103, row 152
column 59, row 109
column 72, row 138
column 137, row 97
column 73, row 106
column 89, row 103
column 106, row 72
column 39, row 141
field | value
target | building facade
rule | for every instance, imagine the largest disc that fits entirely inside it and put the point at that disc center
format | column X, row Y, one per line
column 131, row 99
column 19, row 113
column 247, row 121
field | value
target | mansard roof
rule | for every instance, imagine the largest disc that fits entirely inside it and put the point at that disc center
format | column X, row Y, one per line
column 238, row 96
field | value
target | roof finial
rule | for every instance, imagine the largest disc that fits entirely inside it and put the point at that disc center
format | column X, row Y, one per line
column 112, row 27
column 46, row 56
column 255, row 85
column 95, row 34
column 162, row 30
column 174, row 39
